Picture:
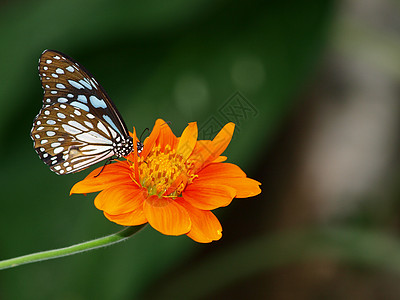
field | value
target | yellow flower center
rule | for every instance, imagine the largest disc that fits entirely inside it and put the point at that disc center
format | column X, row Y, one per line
column 161, row 169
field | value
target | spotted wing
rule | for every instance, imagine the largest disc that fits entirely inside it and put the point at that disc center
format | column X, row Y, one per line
column 68, row 139
column 65, row 81
column 78, row 124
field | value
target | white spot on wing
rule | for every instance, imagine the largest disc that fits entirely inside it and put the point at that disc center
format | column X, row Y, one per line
column 85, row 83
column 77, row 125
column 103, row 128
column 58, row 150
column 93, row 137
column 60, row 86
column 75, row 84
column 95, row 149
column 80, row 105
column 62, row 100
column 88, row 124
column 70, row 129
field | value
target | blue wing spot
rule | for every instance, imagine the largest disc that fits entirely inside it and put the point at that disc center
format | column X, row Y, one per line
column 97, row 102
column 109, row 121
column 80, row 105
column 82, row 98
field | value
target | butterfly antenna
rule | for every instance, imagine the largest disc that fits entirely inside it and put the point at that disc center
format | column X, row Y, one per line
column 146, row 129
column 108, row 161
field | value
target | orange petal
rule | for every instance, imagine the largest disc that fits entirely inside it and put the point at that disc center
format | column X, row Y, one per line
column 151, row 139
column 200, row 154
column 222, row 140
column 220, row 159
column 187, row 141
column 166, row 137
column 135, row 156
column 211, row 151
column 133, row 218
column 121, row 199
column 205, row 225
column 229, row 175
column 113, row 174
column 166, row 216
column 244, row 187
column 220, row 170
column 208, row 196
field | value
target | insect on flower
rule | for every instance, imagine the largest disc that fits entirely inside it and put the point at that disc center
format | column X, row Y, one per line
column 173, row 185
column 78, row 125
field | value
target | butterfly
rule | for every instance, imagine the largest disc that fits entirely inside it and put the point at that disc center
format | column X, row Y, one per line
column 78, row 125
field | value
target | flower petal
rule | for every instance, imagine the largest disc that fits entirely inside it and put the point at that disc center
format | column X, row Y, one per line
column 245, row 187
column 166, row 216
column 135, row 157
column 210, row 151
column 205, row 225
column 187, row 141
column 220, row 159
column 220, row 170
column 132, row 218
column 113, row 174
column 166, row 137
column 208, row 196
column 229, row 175
column 151, row 139
column 120, row 199
column 200, row 154
column 222, row 140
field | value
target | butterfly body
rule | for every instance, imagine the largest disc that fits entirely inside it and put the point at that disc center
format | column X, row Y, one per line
column 78, row 124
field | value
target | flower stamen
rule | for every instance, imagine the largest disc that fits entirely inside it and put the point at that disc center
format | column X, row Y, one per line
column 161, row 170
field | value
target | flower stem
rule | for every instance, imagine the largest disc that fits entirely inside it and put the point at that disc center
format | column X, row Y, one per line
column 78, row 248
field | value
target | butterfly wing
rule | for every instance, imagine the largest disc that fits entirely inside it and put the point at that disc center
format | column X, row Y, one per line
column 78, row 124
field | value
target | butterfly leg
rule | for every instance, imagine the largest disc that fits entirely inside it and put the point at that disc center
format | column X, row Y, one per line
column 108, row 161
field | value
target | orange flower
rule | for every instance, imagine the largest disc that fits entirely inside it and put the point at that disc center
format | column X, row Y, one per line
column 173, row 184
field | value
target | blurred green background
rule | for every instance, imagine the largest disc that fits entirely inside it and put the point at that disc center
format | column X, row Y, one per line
column 313, row 87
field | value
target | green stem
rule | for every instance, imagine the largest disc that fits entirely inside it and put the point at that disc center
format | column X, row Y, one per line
column 78, row 248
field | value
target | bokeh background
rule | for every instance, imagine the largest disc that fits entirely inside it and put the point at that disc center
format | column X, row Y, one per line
column 313, row 87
